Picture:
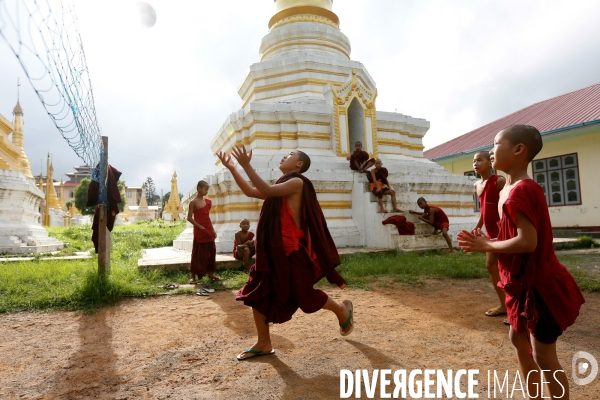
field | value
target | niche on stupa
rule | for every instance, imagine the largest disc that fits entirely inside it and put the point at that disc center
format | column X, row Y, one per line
column 355, row 117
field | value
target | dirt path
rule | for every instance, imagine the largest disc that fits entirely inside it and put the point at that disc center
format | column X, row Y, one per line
column 184, row 347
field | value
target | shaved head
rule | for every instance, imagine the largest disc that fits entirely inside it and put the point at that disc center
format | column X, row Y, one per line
column 484, row 154
column 201, row 184
column 302, row 156
column 529, row 136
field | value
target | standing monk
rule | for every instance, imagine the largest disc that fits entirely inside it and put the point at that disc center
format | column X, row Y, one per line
column 204, row 251
column 488, row 188
column 294, row 250
column 542, row 298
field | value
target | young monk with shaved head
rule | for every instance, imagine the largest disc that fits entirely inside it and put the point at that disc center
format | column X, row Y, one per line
column 542, row 298
column 204, row 251
column 294, row 250
column 487, row 189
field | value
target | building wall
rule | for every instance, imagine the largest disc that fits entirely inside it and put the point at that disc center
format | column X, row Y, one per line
column 586, row 143
column 132, row 196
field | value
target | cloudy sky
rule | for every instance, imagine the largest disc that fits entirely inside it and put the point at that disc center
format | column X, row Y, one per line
column 162, row 93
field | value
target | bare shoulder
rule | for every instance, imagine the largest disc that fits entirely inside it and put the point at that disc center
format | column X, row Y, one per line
column 295, row 184
column 500, row 182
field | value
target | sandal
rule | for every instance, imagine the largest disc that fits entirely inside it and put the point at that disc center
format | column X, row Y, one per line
column 202, row 292
column 349, row 321
column 255, row 353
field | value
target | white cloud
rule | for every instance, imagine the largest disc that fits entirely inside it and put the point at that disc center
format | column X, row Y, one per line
column 162, row 93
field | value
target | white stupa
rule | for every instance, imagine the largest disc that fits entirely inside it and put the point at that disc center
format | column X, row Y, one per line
column 306, row 93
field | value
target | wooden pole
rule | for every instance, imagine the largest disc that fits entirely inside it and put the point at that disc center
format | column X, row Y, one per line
column 103, row 232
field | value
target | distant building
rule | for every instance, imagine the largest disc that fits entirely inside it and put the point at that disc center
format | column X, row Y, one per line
column 567, row 165
column 81, row 172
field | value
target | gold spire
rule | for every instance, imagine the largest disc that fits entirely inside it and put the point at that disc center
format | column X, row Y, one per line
column 174, row 204
column 17, row 138
column 289, row 8
column 51, row 198
column 18, row 110
column 281, row 5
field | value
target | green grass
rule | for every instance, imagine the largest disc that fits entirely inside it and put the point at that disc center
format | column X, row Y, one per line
column 75, row 285
column 361, row 270
column 71, row 285
column 582, row 242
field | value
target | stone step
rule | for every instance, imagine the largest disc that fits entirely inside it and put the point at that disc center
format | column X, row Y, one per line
column 419, row 242
column 420, row 229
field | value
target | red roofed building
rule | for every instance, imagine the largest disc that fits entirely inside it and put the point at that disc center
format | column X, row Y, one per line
column 567, row 165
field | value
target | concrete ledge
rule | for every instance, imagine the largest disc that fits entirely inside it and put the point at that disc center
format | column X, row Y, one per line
column 172, row 259
column 84, row 255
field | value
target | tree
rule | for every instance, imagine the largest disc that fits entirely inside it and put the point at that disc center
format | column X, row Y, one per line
column 150, row 190
column 81, row 194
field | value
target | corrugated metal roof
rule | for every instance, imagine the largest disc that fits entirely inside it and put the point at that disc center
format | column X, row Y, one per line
column 569, row 109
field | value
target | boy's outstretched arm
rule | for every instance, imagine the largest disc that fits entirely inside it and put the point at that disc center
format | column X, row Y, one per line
column 287, row 188
column 241, row 182
column 524, row 242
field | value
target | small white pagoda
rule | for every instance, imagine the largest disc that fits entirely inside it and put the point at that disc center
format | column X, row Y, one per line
column 21, row 202
column 306, row 93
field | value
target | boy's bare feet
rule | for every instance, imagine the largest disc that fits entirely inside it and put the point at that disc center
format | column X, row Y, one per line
column 214, row 277
column 382, row 211
column 192, row 282
column 496, row 311
column 397, row 210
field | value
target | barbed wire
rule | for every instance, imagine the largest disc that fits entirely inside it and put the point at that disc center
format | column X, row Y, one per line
column 44, row 36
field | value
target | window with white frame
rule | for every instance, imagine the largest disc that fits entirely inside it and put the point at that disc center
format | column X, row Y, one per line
column 559, row 177
column 71, row 194
column 128, row 194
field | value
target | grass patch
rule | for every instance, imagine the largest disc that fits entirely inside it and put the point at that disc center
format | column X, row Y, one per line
column 75, row 285
column 361, row 270
column 72, row 285
column 582, row 242
column 586, row 281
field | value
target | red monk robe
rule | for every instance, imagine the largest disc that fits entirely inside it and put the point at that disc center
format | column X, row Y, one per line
column 440, row 219
column 237, row 256
column 204, row 251
column 359, row 158
column 290, row 259
column 381, row 175
column 488, row 200
column 535, row 283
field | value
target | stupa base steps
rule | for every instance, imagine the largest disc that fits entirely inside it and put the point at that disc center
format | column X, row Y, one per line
column 34, row 240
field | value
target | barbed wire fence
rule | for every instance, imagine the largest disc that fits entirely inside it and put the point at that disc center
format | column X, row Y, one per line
column 45, row 38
